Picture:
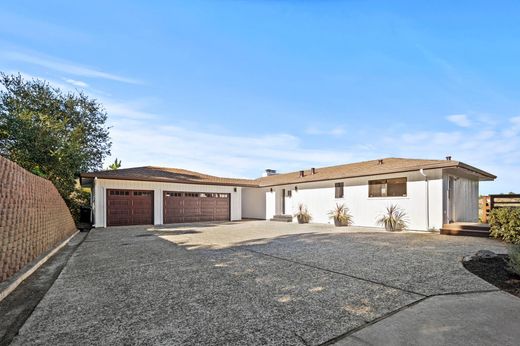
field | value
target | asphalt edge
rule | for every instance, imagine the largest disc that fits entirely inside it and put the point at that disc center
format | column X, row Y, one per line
column 29, row 270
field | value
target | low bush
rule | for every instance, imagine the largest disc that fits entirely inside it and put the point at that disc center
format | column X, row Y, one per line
column 505, row 224
column 79, row 198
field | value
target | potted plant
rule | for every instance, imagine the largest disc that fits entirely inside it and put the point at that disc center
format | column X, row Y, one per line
column 341, row 215
column 394, row 219
column 303, row 215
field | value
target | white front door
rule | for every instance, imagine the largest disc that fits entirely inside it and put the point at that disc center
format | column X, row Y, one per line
column 280, row 202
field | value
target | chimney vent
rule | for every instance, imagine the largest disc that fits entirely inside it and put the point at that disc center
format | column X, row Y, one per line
column 302, row 174
column 380, row 161
column 313, row 170
column 448, row 158
column 268, row 172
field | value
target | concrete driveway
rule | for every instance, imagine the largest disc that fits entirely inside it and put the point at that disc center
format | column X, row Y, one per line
column 260, row 282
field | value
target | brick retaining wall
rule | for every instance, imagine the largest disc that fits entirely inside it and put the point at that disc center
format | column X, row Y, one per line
column 33, row 217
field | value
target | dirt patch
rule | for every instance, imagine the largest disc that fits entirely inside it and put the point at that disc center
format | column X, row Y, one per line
column 494, row 270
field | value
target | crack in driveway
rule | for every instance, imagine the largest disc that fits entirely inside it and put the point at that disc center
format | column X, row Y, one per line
column 336, row 272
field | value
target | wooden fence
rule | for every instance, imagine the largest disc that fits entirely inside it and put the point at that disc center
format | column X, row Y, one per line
column 488, row 203
column 502, row 201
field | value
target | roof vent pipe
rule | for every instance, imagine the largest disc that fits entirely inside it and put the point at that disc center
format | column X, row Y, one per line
column 302, row 174
column 313, row 170
column 448, row 158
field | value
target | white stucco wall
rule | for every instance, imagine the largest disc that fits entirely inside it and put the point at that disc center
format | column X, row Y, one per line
column 101, row 186
column 270, row 204
column 319, row 200
column 253, row 203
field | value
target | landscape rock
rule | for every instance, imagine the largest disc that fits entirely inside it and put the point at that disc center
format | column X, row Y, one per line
column 480, row 254
column 485, row 254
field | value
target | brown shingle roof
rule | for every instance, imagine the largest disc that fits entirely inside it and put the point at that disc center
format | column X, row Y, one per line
column 366, row 168
column 167, row 175
column 351, row 170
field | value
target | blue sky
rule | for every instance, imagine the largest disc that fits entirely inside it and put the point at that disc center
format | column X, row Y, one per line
column 234, row 87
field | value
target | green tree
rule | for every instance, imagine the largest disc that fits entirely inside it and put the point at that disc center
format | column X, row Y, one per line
column 52, row 133
column 115, row 165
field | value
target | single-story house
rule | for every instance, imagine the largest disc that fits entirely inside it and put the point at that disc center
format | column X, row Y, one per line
column 431, row 192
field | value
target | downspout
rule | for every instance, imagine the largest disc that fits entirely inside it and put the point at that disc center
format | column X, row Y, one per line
column 427, row 198
column 93, row 201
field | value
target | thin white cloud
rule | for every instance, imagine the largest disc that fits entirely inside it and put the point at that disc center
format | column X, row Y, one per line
column 126, row 110
column 514, row 129
column 25, row 26
column 52, row 82
column 76, row 83
column 461, row 120
column 63, row 66
column 515, row 121
column 316, row 130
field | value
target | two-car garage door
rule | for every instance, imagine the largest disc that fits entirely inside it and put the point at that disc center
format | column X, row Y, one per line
column 135, row 207
column 195, row 206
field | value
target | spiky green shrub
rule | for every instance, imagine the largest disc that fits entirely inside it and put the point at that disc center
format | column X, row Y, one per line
column 341, row 215
column 505, row 224
column 394, row 219
column 303, row 215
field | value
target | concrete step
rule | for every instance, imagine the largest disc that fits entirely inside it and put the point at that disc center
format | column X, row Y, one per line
column 282, row 218
column 466, row 229
column 467, row 225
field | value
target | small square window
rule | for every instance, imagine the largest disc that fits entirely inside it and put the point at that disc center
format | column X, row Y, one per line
column 339, row 190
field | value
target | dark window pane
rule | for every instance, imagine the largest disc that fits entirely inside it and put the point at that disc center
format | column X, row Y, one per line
column 338, row 190
column 396, row 187
column 377, row 188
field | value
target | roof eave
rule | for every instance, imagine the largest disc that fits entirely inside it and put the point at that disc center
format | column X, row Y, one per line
column 349, row 176
column 159, row 180
column 483, row 175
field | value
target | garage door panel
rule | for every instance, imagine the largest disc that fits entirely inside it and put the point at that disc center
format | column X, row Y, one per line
column 191, row 218
column 191, row 204
column 190, row 211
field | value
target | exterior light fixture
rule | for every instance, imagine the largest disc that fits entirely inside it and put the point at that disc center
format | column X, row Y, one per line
column 296, row 188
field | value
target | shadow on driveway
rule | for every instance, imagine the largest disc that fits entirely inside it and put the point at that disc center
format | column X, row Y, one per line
column 248, row 283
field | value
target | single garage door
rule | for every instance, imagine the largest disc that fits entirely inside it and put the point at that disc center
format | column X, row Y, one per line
column 129, row 207
column 196, row 206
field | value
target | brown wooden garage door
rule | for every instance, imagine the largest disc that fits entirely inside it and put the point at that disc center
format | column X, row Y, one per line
column 129, row 207
column 196, row 206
